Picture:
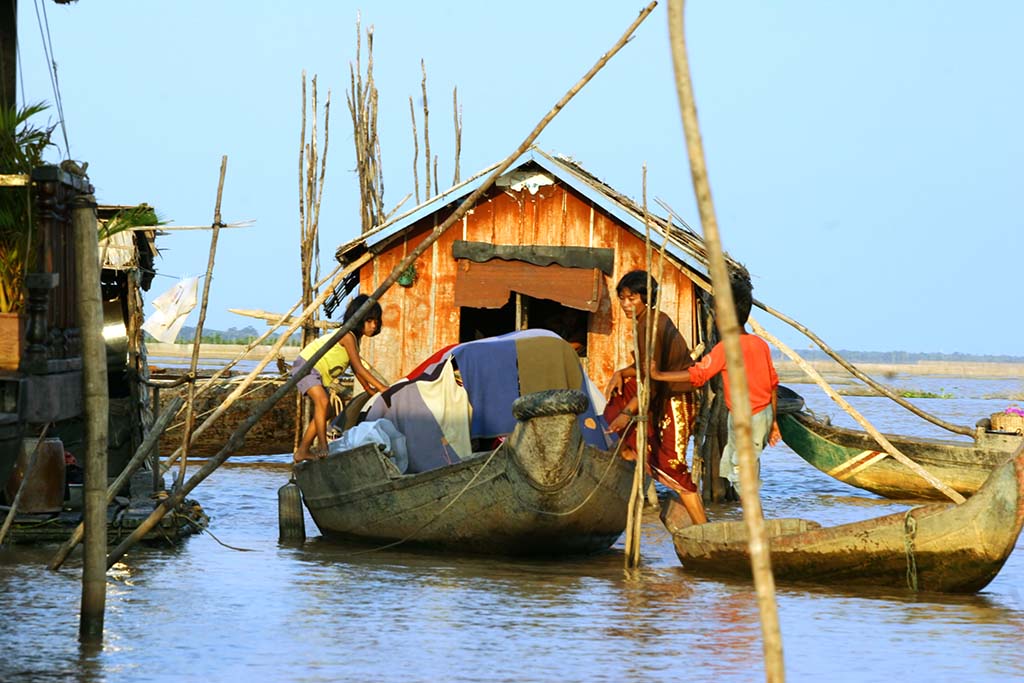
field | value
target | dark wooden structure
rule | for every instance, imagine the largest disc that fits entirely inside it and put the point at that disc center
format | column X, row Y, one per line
column 544, row 248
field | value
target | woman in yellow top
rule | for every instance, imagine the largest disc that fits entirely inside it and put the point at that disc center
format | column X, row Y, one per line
column 331, row 365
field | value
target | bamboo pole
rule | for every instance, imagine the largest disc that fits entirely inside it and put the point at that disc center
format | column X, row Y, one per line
column 29, row 468
column 855, row 414
column 272, row 353
column 95, row 397
column 764, row 581
column 186, row 434
column 426, row 130
column 457, row 113
column 634, row 511
column 415, row 153
column 239, row 434
column 856, row 372
column 141, row 453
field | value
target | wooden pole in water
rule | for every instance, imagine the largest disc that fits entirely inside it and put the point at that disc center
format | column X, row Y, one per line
column 141, row 453
column 239, row 434
column 855, row 414
column 760, row 559
column 197, row 341
column 96, row 405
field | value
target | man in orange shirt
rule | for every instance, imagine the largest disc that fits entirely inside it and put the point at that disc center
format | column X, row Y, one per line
column 762, row 381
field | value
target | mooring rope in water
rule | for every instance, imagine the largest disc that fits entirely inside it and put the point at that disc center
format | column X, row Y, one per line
column 909, row 533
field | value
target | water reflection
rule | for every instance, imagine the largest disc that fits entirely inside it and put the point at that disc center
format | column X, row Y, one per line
column 327, row 611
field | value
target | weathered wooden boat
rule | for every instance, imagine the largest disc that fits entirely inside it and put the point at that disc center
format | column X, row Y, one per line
column 935, row 547
column 854, row 457
column 543, row 491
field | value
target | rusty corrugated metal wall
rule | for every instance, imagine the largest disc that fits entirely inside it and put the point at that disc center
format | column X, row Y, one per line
column 422, row 318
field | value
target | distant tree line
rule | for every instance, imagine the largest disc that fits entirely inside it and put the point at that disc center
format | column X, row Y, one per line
column 897, row 357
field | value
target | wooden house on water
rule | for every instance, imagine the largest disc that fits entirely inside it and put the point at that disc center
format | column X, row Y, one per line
column 41, row 371
column 544, row 247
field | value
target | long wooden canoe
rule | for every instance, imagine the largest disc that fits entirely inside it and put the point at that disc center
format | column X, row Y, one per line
column 544, row 491
column 854, row 457
column 936, row 547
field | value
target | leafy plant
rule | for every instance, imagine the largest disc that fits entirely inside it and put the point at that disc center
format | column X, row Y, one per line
column 131, row 217
column 22, row 146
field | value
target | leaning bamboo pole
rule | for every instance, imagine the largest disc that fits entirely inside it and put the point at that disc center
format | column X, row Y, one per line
column 856, row 372
column 186, row 433
column 272, row 353
column 239, row 434
column 764, row 581
column 95, row 398
column 141, row 453
column 855, row 414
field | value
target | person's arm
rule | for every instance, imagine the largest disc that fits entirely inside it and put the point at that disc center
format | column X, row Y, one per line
column 621, row 421
column 774, row 436
column 675, row 376
column 615, row 383
column 365, row 377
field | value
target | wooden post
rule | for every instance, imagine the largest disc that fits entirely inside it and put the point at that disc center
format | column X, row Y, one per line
column 239, row 434
column 95, row 399
column 197, row 340
column 764, row 581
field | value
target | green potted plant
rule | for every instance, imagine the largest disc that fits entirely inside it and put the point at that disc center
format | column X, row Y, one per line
column 22, row 146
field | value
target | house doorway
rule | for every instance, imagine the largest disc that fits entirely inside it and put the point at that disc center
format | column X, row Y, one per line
column 522, row 312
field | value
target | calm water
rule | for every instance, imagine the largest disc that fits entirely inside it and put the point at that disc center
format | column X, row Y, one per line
column 322, row 613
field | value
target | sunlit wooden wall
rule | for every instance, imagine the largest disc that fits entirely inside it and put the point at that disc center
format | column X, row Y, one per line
column 423, row 318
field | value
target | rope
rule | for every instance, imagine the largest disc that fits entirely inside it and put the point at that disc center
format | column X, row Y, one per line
column 52, row 64
column 909, row 533
column 611, row 461
column 439, row 513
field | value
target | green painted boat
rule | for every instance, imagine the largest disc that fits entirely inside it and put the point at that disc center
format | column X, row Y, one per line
column 936, row 547
column 854, row 457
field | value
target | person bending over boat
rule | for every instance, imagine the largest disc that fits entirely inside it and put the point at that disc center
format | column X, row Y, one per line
column 762, row 381
column 671, row 409
column 331, row 365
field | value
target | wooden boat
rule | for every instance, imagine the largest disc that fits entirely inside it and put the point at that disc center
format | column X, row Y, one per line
column 543, row 491
column 854, row 457
column 936, row 547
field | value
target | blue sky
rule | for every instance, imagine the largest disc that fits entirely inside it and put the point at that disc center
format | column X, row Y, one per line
column 864, row 157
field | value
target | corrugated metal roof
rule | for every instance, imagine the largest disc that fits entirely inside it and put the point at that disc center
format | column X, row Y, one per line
column 684, row 245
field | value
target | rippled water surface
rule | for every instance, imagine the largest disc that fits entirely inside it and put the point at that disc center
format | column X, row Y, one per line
column 258, row 611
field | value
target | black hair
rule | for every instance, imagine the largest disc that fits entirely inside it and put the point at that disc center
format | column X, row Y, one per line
column 636, row 282
column 375, row 313
column 742, row 292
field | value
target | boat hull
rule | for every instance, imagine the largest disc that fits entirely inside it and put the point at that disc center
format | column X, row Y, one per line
column 499, row 502
column 937, row 547
column 855, row 458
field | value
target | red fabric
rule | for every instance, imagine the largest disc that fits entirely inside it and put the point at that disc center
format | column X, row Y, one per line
column 757, row 361
column 666, row 458
column 433, row 359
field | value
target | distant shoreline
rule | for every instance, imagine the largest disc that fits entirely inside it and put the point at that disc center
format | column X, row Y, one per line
column 216, row 351
column 929, row 367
